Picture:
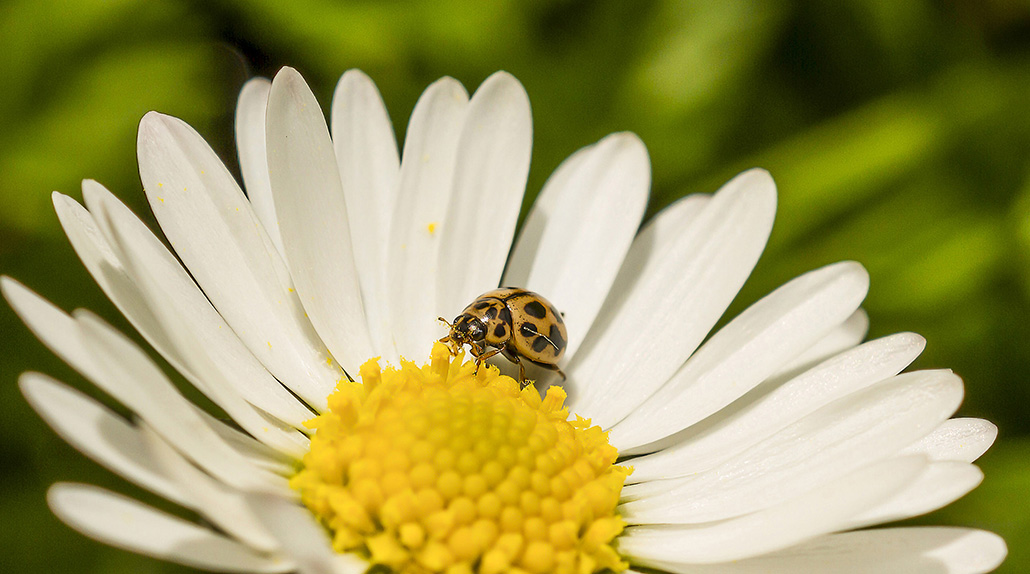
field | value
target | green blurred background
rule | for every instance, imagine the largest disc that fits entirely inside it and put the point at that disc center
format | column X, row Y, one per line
column 897, row 132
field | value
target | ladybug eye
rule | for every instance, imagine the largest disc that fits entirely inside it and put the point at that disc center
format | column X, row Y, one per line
column 476, row 329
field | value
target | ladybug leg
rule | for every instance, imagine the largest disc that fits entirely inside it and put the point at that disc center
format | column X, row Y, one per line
column 512, row 356
column 554, row 368
column 481, row 356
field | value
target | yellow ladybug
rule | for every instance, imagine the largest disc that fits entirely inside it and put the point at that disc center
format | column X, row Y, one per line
column 517, row 323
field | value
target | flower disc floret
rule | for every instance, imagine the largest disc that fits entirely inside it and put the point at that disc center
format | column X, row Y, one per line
column 442, row 469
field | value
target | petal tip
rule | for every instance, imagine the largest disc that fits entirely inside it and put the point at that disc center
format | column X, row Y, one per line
column 851, row 268
column 34, row 386
column 17, row 295
column 450, row 86
column 355, row 75
column 505, row 88
column 152, row 121
column 59, row 199
column 911, row 339
column 254, row 90
column 154, row 127
column 93, row 193
column 290, row 95
column 291, row 78
column 628, row 140
column 8, row 285
column 757, row 188
column 255, row 83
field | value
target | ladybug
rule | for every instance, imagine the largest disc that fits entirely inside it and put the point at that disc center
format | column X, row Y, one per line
column 517, row 323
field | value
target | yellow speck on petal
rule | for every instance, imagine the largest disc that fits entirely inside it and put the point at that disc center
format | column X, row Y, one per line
column 442, row 469
column 159, row 184
column 161, row 199
column 431, row 228
column 290, row 289
column 269, row 344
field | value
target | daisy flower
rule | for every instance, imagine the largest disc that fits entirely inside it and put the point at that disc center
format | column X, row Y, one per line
column 766, row 446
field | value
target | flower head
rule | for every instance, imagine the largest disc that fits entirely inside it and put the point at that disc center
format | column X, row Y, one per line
column 765, row 446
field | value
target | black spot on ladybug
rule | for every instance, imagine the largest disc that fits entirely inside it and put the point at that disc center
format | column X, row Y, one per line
column 491, row 313
column 528, row 330
column 555, row 312
column 536, row 309
column 505, row 315
column 540, row 343
column 556, row 338
column 482, row 305
column 500, row 331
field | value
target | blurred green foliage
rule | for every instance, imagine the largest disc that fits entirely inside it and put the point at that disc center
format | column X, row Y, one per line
column 897, row 133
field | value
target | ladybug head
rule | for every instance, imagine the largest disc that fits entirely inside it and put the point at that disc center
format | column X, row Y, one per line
column 467, row 329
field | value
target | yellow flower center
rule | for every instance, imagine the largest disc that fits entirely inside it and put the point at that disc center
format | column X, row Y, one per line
column 440, row 469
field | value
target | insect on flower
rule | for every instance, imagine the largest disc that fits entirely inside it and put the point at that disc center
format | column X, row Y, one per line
column 517, row 323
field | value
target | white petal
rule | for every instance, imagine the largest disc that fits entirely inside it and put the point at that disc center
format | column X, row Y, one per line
column 106, row 268
column 313, row 218
column 938, row 486
column 843, row 337
column 105, row 265
column 250, row 142
column 489, row 181
column 177, row 307
column 224, row 506
column 654, row 238
column 366, row 153
column 530, row 240
column 816, row 512
column 302, row 538
column 962, row 439
column 130, row 525
column 673, row 292
column 366, row 150
column 769, row 408
column 744, row 353
column 99, row 433
column 130, row 377
column 426, row 182
column 580, row 229
column 212, row 227
column 259, row 454
column 60, row 334
column 128, row 450
column 853, row 431
column 165, row 288
column 52, row 326
column 923, row 550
